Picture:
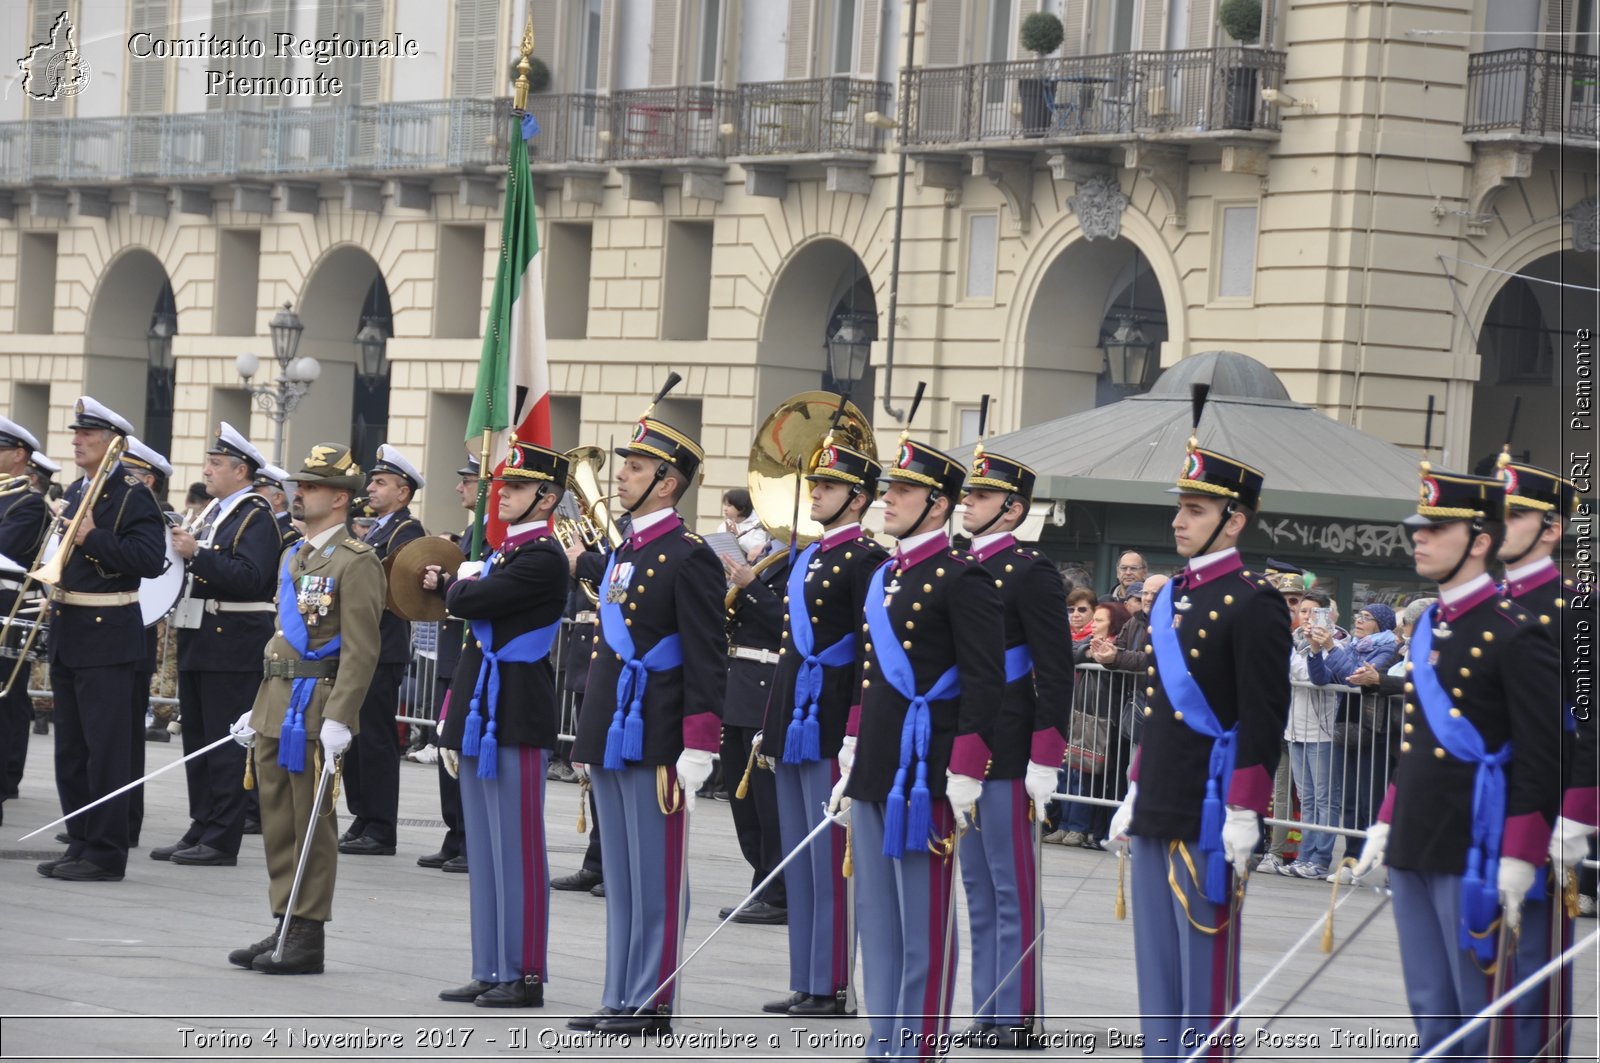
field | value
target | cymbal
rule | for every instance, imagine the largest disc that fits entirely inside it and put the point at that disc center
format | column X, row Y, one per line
column 405, row 567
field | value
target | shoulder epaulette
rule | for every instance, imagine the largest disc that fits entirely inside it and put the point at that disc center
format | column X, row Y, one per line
column 692, row 537
column 130, row 479
column 358, row 546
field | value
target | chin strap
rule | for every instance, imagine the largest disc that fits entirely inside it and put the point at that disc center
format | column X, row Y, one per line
column 1011, row 497
column 933, row 496
column 1475, row 530
column 855, row 491
column 661, row 472
column 1546, row 519
column 538, row 496
column 1227, row 512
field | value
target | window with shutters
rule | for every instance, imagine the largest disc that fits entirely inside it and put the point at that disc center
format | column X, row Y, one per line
column 474, row 64
column 708, row 41
column 353, row 20
column 255, row 20
column 147, row 75
column 45, row 13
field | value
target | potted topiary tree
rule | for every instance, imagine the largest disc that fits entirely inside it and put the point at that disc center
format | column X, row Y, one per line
column 1241, row 19
column 1041, row 33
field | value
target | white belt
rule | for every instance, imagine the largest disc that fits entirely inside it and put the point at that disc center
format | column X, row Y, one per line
column 93, row 599
column 214, row 606
column 588, row 616
column 749, row 653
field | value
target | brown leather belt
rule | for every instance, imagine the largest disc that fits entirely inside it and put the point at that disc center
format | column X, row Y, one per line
column 299, row 669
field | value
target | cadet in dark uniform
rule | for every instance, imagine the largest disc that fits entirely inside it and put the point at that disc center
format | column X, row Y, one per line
column 1540, row 506
column 224, row 620
column 660, row 668
column 999, row 870
column 372, row 771
column 755, row 624
column 502, row 720
column 316, row 669
column 23, row 520
column 96, row 644
column 1466, row 820
column 933, row 676
column 822, row 638
column 1203, row 777
column 155, row 472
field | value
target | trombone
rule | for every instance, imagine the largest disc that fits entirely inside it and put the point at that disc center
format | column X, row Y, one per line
column 48, row 573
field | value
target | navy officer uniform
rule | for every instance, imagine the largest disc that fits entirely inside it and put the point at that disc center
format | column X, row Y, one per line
column 755, row 628
column 372, row 769
column 655, row 689
column 23, row 520
column 1466, row 819
column 825, row 601
column 1000, row 869
column 268, row 482
column 933, row 673
column 503, row 720
column 96, row 644
column 1203, row 777
column 224, row 619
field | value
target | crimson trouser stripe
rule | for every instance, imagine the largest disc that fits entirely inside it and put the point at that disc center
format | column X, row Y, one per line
column 999, row 875
column 1539, row 1011
column 508, row 872
column 819, row 927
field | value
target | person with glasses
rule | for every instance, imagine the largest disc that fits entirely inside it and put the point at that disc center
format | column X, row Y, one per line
column 1131, row 569
column 1080, row 614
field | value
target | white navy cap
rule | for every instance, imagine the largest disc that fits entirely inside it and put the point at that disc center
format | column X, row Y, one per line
column 13, row 434
column 391, row 460
column 270, row 475
column 89, row 413
column 231, row 441
column 141, row 456
column 42, row 462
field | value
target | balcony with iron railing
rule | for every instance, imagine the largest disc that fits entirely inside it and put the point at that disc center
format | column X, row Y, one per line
column 1533, row 95
column 811, row 117
column 1205, row 93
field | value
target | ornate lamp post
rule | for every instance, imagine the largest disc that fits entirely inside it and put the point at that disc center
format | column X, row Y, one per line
column 295, row 375
column 1127, row 354
column 848, row 350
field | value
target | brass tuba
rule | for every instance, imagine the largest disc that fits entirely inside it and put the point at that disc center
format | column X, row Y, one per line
column 583, row 515
column 786, row 449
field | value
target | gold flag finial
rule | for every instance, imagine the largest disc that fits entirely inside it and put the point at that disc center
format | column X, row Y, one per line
column 524, row 67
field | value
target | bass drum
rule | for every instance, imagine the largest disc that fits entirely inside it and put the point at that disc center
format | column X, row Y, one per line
column 158, row 594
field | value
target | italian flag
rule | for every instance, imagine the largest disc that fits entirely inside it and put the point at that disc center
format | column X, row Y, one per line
column 512, row 395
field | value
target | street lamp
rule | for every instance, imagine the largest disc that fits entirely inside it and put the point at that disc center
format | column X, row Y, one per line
column 295, row 375
column 1127, row 353
column 372, row 343
column 848, row 350
column 158, row 342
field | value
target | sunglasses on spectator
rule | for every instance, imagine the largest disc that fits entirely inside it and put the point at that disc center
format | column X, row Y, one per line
column 1080, row 609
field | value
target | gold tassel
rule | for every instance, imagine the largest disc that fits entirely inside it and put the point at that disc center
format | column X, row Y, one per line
column 249, row 769
column 676, row 803
column 849, row 863
column 583, row 805
column 1327, row 930
column 1122, row 893
column 1569, row 894
column 744, row 783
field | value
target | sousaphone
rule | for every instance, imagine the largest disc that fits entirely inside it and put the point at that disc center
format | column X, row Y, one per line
column 785, row 450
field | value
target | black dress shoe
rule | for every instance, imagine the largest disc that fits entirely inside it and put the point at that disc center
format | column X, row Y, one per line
column 84, row 871
column 165, row 852
column 581, row 879
column 761, row 914
column 252, row 826
column 63, row 837
column 781, row 1007
column 820, row 1005
column 204, row 856
column 364, row 846
column 433, row 860
column 1015, row 1038
column 599, row 890
column 628, row 1023
column 590, row 1022
column 466, row 994
column 456, row 865
column 48, row 868
column 524, row 994
column 157, row 734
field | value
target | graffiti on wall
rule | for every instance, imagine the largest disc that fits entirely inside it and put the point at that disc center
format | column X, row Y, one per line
column 1343, row 540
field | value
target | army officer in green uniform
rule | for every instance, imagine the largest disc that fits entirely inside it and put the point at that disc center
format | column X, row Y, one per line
column 318, row 664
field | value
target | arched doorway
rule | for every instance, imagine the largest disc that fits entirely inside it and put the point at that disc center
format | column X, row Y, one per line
column 1095, row 330
column 1525, row 341
column 128, row 349
column 822, row 287
column 344, row 294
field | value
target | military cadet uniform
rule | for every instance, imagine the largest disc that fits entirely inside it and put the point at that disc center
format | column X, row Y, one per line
column 23, row 520
column 503, row 720
column 999, row 870
column 1216, row 709
column 96, row 644
column 1538, row 589
column 1478, row 720
column 933, row 674
column 755, row 627
column 155, row 472
column 815, row 692
column 655, row 689
column 331, row 593
column 224, row 620
column 372, row 771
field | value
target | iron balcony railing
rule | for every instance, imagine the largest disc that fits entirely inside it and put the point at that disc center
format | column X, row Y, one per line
column 1204, row 90
column 570, row 128
column 1535, row 93
column 814, row 116
column 679, row 122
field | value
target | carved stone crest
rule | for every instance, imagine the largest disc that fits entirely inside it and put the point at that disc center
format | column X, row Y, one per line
column 1585, row 219
column 1099, row 204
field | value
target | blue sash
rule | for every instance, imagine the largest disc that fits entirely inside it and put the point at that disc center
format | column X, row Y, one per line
column 1187, row 697
column 1019, row 663
column 292, row 736
column 915, row 733
column 530, row 647
column 802, row 742
column 625, row 736
column 1480, row 886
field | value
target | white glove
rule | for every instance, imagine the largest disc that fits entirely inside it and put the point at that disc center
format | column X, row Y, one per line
column 694, row 768
column 1122, row 818
column 242, row 732
column 1040, row 782
column 962, row 791
column 1240, row 832
column 335, row 739
column 847, row 754
column 1569, row 845
column 1372, row 851
column 452, row 762
column 838, row 803
column 468, row 569
column 1516, row 879
column 581, row 770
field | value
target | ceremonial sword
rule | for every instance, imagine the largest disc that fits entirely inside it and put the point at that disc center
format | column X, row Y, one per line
column 305, row 851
